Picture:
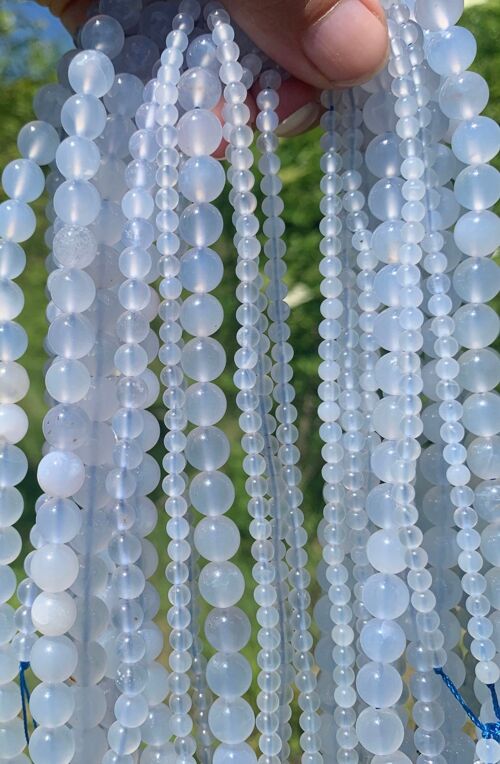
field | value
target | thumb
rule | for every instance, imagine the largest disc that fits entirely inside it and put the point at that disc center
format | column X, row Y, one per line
column 321, row 42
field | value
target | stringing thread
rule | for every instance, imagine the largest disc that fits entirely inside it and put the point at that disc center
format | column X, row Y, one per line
column 489, row 730
column 25, row 697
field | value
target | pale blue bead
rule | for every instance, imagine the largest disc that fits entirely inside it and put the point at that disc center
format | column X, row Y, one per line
column 200, row 225
column 385, row 199
column 478, row 233
column 48, row 102
column 476, row 326
column 12, row 259
column 11, row 506
column 463, row 96
column 234, row 754
column 71, row 289
column 201, row 315
column 52, row 704
column 67, row 380
column 60, row 473
column 383, row 641
column 231, row 721
column 138, row 56
column 59, row 520
column 201, row 270
column 55, row 745
column 438, row 15
column 477, row 279
column 103, row 33
column 199, row 88
column 385, row 596
column 207, row 448
column 382, row 155
column 54, row 659
column 478, row 187
column 77, row 202
column 379, row 731
column 156, row 21
column 486, row 497
column 476, row 141
column 17, row 221
column 71, row 336
column 78, row 158
column 13, row 465
column 83, row 115
column 202, row 52
column 38, row 141
column 379, row 684
column 451, row 51
column 200, row 132
column 217, row 539
column 127, row 14
column 202, row 179
column 91, row 73
column 211, row 493
column 229, row 674
column 125, row 96
column 23, row 179
column 205, row 404
column 203, row 359
column 221, row 584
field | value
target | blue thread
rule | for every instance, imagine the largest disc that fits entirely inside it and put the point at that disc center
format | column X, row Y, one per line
column 488, row 730
column 25, row 697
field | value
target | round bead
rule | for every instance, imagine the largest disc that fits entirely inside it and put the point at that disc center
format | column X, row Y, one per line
column 38, row 141
column 379, row 731
column 476, row 141
column 385, row 596
column 216, row 538
column 17, row 220
column 53, row 659
column 379, row 684
column 231, row 721
column 103, row 33
column 61, row 473
column 463, row 96
column 221, row 585
column 83, row 115
column 53, row 614
column 54, row 567
column 200, row 225
column 438, row 15
column 202, row 179
column 200, row 132
column 78, row 158
column 23, row 179
column 91, row 73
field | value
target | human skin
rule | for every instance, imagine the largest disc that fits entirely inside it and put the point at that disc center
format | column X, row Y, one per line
column 322, row 43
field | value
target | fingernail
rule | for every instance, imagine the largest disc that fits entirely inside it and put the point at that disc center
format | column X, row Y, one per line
column 348, row 44
column 299, row 121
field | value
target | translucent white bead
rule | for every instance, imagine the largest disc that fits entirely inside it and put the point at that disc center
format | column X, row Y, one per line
column 201, row 270
column 91, row 73
column 125, row 96
column 103, row 33
column 74, row 247
column 234, row 754
column 383, row 641
column 382, row 155
column 57, row 744
column 476, row 141
column 379, row 684
column 201, row 315
column 205, row 404
column 13, row 465
column 202, row 52
column 463, row 96
column 477, row 280
column 83, row 115
column 53, row 659
column 202, row 179
column 199, row 88
column 221, row 585
column 451, row 51
column 17, row 220
column 14, row 382
column 379, row 731
column 490, row 547
column 211, row 493
column 217, row 539
column 385, row 552
column 204, row 359
column 77, row 202
column 23, row 179
column 71, row 289
column 54, row 567
column 385, row 596
column 200, row 132
column 437, row 15
column 13, row 423
column 200, row 225
column 52, row 704
column 38, row 141
column 478, row 187
column 78, row 158
column 477, row 233
column 483, row 457
column 58, row 520
column 61, row 473
column 53, row 614
column 231, row 721
column 476, row 325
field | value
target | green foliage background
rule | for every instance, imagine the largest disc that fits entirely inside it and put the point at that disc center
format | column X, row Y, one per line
column 301, row 175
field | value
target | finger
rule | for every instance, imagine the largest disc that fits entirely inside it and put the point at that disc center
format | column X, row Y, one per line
column 322, row 42
column 71, row 12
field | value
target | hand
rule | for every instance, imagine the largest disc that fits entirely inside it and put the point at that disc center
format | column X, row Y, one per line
column 322, row 43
